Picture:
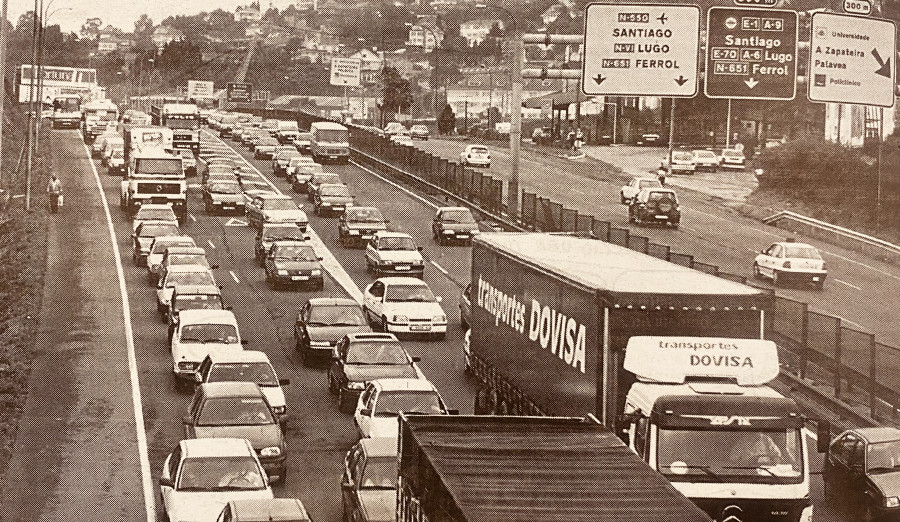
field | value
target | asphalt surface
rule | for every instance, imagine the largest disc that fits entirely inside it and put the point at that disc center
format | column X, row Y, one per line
column 77, row 458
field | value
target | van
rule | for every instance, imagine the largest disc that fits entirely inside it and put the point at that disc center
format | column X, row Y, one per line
column 330, row 142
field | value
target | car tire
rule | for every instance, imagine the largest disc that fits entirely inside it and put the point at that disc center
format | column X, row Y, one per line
column 332, row 386
column 622, row 199
column 776, row 278
column 343, row 401
column 868, row 513
column 757, row 274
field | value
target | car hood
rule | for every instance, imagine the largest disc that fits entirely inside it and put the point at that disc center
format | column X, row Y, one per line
column 206, row 506
column 296, row 265
column 369, row 373
column 414, row 310
column 197, row 352
column 144, row 242
column 383, row 427
column 888, row 483
column 408, row 256
column 282, row 216
column 275, row 395
column 228, row 198
column 378, row 505
column 333, row 334
column 336, row 200
column 264, row 436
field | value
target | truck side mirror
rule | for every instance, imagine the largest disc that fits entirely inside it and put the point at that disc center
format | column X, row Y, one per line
column 823, row 436
column 214, row 267
column 284, row 382
column 244, row 342
column 365, row 412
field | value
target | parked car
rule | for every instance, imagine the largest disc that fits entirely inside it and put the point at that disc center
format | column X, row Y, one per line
column 202, row 475
column 475, row 156
column 362, row 357
column 274, row 208
column 682, row 162
column 655, row 205
column 369, row 483
column 861, row 473
column 790, row 261
column 404, row 305
column 705, row 160
column 322, row 322
column 293, row 263
column 392, row 128
column 142, row 238
column 419, row 132
column 383, row 400
column 402, row 138
column 732, row 159
column 394, row 253
column 358, row 225
column 331, row 199
column 629, row 191
column 453, row 224
column 267, row 510
column 199, row 333
column 650, row 139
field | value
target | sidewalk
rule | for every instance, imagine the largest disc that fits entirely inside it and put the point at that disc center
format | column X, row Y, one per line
column 76, row 455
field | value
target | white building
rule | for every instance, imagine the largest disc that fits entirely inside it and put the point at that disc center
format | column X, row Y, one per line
column 475, row 31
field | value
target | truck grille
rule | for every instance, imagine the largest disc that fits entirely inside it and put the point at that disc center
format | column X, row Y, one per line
column 151, row 188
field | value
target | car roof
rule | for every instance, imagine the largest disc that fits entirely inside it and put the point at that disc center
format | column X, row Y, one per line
column 444, row 209
column 271, row 509
column 207, row 317
column 476, row 146
column 398, row 384
column 794, row 243
column 386, row 233
column 332, row 301
column 401, row 280
column 291, row 242
column 704, row 150
column 878, row 434
column 658, row 189
column 158, row 222
column 171, row 239
column 326, row 185
column 215, row 447
column 230, row 389
column 274, row 195
column 372, row 336
column 179, row 249
column 238, row 357
column 379, row 446
column 198, row 289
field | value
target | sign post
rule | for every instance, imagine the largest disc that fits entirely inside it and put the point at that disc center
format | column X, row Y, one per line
column 850, row 60
column 751, row 53
column 641, row 50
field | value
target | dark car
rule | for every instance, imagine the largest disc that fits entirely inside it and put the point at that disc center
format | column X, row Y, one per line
column 655, row 205
column 272, row 232
column 317, row 179
column 331, row 199
column 281, row 160
column 322, row 322
column 223, row 196
column 453, row 224
column 293, row 263
column 143, row 237
column 369, row 484
column 862, row 473
column 358, row 225
column 240, row 410
column 362, row 357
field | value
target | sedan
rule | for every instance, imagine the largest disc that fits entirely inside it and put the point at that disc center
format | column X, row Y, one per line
column 143, row 238
column 787, row 260
column 293, row 263
column 264, row 148
column 358, row 225
column 706, row 160
column 732, row 159
column 453, row 224
column 475, row 156
column 862, row 473
column 404, row 305
column 383, row 399
column 322, row 322
column 180, row 275
column 331, row 199
column 682, row 162
column 369, row 484
column 158, row 250
column 223, row 196
column 154, row 212
column 419, row 132
column 316, row 179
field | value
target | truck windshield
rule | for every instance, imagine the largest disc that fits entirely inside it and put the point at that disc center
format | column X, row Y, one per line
column 182, row 122
column 161, row 166
column 66, row 104
column 765, row 457
column 331, row 135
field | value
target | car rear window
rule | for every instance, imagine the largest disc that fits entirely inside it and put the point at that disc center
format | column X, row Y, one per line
column 802, row 252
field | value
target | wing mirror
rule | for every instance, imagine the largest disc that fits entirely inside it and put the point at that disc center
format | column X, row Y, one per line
column 214, row 267
column 244, row 342
column 416, row 358
column 284, row 382
column 365, row 412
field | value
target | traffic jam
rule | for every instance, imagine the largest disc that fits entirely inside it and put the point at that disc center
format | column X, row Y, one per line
column 268, row 274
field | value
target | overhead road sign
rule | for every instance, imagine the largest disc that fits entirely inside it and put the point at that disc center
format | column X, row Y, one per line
column 862, row 7
column 199, row 89
column 850, row 60
column 240, row 92
column 641, row 50
column 751, row 53
column 345, row 71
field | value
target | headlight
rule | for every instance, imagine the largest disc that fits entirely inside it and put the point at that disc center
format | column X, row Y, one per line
column 324, row 344
column 279, row 410
column 326, row 204
column 316, row 272
column 283, row 272
column 271, row 451
column 353, row 232
column 354, row 385
column 449, row 232
column 400, row 319
column 891, row 502
column 439, row 319
column 476, row 231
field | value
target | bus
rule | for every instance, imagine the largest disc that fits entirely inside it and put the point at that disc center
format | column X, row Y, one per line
column 54, row 81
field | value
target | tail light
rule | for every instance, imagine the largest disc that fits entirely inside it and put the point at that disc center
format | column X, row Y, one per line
column 824, row 266
column 787, row 264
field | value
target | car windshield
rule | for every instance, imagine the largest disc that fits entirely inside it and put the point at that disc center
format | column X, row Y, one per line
column 259, row 372
column 419, row 128
column 327, row 178
column 286, row 155
column 772, row 457
column 197, row 302
column 190, row 278
column 704, row 154
column 649, row 183
column 462, row 215
column 396, row 243
column 160, row 247
column 682, row 156
column 335, row 191
column 390, row 403
column 409, row 293
column 188, row 259
column 283, row 232
column 364, row 215
column 163, row 214
column 158, row 230
column 267, row 142
column 732, row 154
column 220, row 474
column 118, row 153
column 235, row 411
column 883, row 457
column 374, row 352
column 336, row 315
column 209, row 333
column 801, row 252
column 224, row 188
column 296, row 253
column 280, row 204
column 380, row 473
column 478, row 150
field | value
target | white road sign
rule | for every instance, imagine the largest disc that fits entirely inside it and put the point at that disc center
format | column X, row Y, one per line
column 641, row 50
column 198, row 89
column 345, row 71
column 851, row 60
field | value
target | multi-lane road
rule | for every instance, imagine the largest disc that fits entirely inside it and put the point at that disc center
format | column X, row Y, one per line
column 81, row 442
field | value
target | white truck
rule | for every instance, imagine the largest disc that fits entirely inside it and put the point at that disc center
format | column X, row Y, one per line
column 287, row 131
column 183, row 119
column 152, row 174
column 97, row 117
column 66, row 111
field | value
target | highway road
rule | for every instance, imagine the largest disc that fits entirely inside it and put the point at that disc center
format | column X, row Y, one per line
column 713, row 233
column 319, row 435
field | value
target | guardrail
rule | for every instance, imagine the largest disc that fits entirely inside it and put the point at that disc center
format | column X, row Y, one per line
column 834, row 234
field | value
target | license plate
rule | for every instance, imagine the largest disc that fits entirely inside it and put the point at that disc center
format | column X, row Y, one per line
column 402, row 268
column 462, row 236
column 228, row 207
column 662, row 217
column 337, row 208
column 300, row 278
column 419, row 327
column 365, row 237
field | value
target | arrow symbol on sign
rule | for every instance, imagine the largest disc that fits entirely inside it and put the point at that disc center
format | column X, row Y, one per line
column 751, row 83
column 681, row 80
column 599, row 79
column 885, row 65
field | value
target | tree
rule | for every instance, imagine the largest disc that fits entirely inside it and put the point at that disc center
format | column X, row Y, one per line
column 143, row 26
column 396, row 93
column 446, row 121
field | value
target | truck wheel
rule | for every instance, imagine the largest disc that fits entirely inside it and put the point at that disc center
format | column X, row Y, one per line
column 332, row 386
column 384, row 324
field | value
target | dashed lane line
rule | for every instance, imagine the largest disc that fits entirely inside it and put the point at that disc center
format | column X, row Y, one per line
column 211, row 244
column 848, row 284
column 234, row 276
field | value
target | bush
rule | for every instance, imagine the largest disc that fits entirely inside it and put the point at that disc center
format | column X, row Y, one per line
column 805, row 165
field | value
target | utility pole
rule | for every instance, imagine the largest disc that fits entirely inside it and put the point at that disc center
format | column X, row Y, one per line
column 515, row 127
column 31, row 94
column 3, row 25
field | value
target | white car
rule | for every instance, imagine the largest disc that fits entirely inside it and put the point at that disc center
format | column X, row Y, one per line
column 394, row 253
column 402, row 138
column 475, row 156
column 629, row 191
column 683, row 162
column 404, row 305
column 732, row 159
column 153, row 212
column 158, row 250
column 790, row 261
column 180, row 275
column 383, row 399
column 248, row 366
column 202, row 475
column 199, row 333
column 706, row 160
column 274, row 208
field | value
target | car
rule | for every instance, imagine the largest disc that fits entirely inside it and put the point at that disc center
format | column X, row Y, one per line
column 705, row 160
column 362, row 357
column 264, row 148
column 303, row 141
column 404, row 305
column 394, row 253
column 181, row 255
column 281, row 160
column 200, row 332
column 316, row 179
column 201, row 475
column 358, row 225
column 272, row 232
column 188, row 161
column 158, row 250
column 369, row 482
column 383, row 400
column 465, row 307
column 861, row 473
column 402, row 138
column 655, row 205
column 419, row 132
column 115, row 164
column 453, row 224
column 238, row 409
column 322, row 322
column 287, row 132
column 331, row 199
column 246, row 366
column 274, row 208
column 300, row 170
column 268, row 510
column 650, row 139
column 100, row 142
column 213, row 161
column 252, row 190
column 294, row 263
column 254, row 136
column 732, row 159
column 475, row 156
column 223, row 196
column 270, row 126
column 221, row 176
column 153, row 212
column 790, row 261
column 142, row 238
column 393, row 128
column 193, row 297
column 629, row 191
column 180, row 275
column 682, row 162
column 112, row 145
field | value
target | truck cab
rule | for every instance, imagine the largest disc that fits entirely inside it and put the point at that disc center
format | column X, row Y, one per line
column 330, row 142
column 153, row 175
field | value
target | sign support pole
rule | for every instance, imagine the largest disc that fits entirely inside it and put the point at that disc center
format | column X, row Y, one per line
column 728, row 127
column 878, row 187
column 671, row 133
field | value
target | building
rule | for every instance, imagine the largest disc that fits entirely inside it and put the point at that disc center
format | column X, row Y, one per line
column 475, row 31
column 248, row 13
column 369, row 60
column 481, row 88
column 426, row 35
column 112, row 44
column 165, row 34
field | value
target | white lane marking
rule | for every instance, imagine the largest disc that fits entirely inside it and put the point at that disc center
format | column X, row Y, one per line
column 143, row 456
column 442, row 269
column 848, row 284
column 809, row 433
column 234, row 276
column 192, row 217
column 880, row 271
column 329, row 262
column 404, row 189
column 210, row 243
